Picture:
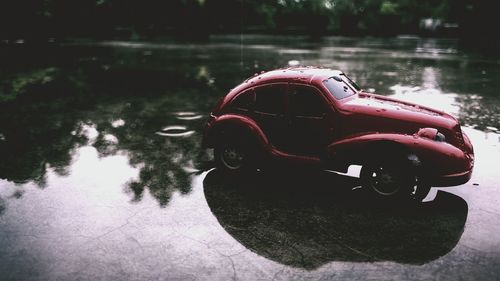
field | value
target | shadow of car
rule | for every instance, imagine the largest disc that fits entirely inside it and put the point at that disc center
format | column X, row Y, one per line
column 301, row 221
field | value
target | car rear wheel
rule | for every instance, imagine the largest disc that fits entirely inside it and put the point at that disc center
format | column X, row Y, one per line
column 232, row 156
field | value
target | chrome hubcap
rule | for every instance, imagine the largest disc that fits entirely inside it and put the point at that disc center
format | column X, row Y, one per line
column 232, row 158
column 384, row 181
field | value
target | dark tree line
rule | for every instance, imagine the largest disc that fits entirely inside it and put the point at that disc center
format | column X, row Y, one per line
column 28, row 19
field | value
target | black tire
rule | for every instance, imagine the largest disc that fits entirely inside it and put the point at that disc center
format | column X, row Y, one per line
column 389, row 179
column 233, row 156
column 421, row 190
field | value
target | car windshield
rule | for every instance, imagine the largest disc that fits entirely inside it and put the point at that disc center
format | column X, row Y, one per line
column 341, row 86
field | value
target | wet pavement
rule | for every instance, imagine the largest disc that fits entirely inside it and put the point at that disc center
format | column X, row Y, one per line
column 108, row 180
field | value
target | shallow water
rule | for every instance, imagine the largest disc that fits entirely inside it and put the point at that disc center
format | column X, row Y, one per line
column 108, row 179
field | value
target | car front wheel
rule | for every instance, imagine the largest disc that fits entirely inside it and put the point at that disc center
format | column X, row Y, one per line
column 393, row 181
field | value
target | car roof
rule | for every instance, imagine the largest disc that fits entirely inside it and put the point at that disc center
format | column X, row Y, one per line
column 300, row 74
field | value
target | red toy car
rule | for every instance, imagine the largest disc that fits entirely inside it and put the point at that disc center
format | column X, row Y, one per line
column 320, row 117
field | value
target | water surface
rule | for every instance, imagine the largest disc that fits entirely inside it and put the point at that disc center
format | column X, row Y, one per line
column 103, row 175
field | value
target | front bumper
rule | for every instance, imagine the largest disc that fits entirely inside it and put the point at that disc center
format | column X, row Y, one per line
column 452, row 179
column 462, row 176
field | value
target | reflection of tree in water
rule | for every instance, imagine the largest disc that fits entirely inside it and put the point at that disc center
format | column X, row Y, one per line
column 43, row 127
column 33, row 141
column 479, row 111
column 166, row 163
column 36, row 139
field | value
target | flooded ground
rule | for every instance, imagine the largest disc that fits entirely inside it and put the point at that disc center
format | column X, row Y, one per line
column 107, row 179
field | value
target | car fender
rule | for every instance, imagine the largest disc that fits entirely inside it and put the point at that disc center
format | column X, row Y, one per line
column 237, row 123
column 441, row 156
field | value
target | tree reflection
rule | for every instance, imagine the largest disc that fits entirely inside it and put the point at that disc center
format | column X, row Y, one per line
column 166, row 163
column 42, row 136
column 34, row 141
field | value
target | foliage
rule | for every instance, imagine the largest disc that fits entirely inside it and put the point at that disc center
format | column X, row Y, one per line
column 35, row 20
column 21, row 83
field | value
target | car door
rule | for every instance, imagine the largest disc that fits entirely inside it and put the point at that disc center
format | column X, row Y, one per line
column 310, row 128
column 269, row 112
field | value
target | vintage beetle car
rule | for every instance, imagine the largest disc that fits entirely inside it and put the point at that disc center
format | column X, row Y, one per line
column 320, row 117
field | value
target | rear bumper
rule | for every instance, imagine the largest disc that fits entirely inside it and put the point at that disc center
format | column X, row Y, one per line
column 207, row 141
column 452, row 179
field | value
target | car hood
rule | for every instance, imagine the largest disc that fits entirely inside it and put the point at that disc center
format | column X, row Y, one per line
column 370, row 112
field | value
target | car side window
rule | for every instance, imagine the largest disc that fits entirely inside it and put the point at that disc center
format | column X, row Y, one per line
column 305, row 101
column 270, row 98
column 338, row 87
column 244, row 101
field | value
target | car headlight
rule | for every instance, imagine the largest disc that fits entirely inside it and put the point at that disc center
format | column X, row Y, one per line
column 431, row 133
column 440, row 137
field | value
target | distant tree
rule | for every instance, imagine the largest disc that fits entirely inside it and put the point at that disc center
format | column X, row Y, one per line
column 195, row 19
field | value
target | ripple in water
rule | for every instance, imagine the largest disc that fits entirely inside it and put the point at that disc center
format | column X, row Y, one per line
column 175, row 131
column 188, row 116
